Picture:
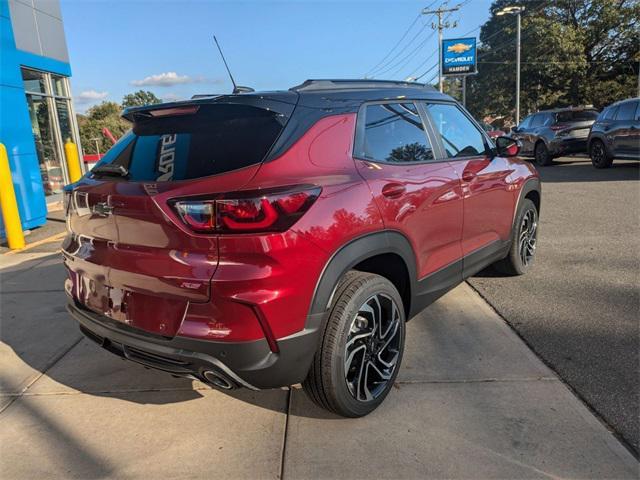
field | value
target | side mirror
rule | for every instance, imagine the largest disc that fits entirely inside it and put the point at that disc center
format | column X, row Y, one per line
column 514, row 129
column 507, row 147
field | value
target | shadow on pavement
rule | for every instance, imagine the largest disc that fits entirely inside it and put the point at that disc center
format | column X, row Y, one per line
column 576, row 169
column 43, row 338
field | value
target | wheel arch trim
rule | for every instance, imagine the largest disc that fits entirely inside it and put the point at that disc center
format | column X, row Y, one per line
column 354, row 252
column 530, row 185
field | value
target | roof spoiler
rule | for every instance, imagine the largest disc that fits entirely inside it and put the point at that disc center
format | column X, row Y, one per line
column 339, row 84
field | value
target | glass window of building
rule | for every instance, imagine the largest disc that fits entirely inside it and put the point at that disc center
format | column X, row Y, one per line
column 52, row 124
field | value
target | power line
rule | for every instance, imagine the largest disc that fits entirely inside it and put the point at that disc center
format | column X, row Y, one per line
column 381, row 64
column 426, row 59
column 411, row 55
column 392, row 63
column 395, row 46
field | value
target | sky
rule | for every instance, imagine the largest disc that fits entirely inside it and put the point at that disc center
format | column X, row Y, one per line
column 167, row 47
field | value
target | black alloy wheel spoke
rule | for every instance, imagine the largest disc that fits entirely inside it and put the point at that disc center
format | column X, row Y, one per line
column 372, row 348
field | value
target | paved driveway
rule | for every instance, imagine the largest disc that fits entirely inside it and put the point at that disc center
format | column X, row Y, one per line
column 471, row 401
column 579, row 308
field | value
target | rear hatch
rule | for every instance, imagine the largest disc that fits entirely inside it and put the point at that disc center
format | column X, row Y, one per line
column 128, row 254
column 574, row 124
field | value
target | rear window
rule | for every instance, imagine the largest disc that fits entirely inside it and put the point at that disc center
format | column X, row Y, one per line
column 206, row 140
column 576, row 116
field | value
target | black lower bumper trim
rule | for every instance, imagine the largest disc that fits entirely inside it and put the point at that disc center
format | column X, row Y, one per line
column 248, row 364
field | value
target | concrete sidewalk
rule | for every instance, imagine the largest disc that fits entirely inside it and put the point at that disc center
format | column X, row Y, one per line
column 471, row 401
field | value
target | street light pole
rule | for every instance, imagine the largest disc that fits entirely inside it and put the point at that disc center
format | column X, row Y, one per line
column 518, row 71
column 518, row 11
column 441, row 26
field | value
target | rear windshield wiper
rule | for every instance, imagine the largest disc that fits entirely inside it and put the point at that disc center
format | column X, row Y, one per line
column 111, row 170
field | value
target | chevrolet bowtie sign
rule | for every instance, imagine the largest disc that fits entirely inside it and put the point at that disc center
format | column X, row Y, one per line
column 459, row 56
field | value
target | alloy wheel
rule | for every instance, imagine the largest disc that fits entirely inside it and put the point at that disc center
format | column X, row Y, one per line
column 373, row 347
column 527, row 237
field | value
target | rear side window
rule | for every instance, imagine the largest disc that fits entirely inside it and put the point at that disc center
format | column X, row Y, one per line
column 626, row 111
column 576, row 116
column 459, row 135
column 610, row 113
column 538, row 120
column 207, row 140
column 526, row 122
column 393, row 133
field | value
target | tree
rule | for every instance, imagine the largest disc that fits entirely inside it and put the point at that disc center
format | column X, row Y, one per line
column 106, row 114
column 140, row 98
column 574, row 52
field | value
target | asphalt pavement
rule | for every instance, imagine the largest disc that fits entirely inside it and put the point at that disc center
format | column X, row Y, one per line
column 579, row 309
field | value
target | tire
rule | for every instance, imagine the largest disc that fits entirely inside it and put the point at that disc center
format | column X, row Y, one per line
column 599, row 156
column 541, row 155
column 339, row 379
column 518, row 262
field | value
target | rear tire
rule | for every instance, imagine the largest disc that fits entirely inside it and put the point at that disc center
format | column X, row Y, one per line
column 360, row 352
column 524, row 237
column 542, row 155
column 599, row 156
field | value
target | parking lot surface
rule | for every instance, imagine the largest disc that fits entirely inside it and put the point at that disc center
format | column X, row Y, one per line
column 579, row 308
column 471, row 400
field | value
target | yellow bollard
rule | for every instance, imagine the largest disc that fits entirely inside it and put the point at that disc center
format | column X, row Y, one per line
column 73, row 162
column 9, row 205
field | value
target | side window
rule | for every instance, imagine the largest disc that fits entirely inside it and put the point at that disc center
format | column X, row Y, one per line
column 637, row 117
column 526, row 122
column 626, row 111
column 459, row 135
column 538, row 120
column 610, row 113
column 394, row 133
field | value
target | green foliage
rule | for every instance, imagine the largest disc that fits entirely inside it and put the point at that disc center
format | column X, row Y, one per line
column 106, row 114
column 140, row 98
column 574, row 52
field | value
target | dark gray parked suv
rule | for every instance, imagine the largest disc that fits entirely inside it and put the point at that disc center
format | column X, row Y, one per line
column 616, row 133
column 553, row 133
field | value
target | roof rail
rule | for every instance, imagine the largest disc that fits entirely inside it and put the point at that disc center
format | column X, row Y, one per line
column 356, row 84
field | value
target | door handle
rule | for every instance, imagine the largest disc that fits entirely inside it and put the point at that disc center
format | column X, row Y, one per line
column 468, row 176
column 393, row 190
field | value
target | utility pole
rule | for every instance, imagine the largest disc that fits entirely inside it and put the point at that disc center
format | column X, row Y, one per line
column 518, row 11
column 441, row 26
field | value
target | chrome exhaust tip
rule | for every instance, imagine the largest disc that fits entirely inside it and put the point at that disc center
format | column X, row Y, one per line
column 217, row 380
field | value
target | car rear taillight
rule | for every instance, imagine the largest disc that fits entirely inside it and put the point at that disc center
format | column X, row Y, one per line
column 274, row 210
column 556, row 128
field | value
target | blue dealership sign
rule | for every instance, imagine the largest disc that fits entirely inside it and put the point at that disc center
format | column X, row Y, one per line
column 459, row 56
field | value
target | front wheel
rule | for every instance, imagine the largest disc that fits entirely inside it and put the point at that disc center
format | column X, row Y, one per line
column 361, row 349
column 524, row 237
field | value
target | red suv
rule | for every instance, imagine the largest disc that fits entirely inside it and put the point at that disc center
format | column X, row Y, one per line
column 266, row 239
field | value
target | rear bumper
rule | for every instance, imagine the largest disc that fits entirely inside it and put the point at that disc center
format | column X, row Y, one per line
column 243, row 364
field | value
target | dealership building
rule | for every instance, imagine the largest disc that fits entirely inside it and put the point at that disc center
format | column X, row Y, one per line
column 36, row 112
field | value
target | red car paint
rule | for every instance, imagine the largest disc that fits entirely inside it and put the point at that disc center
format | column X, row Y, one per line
column 144, row 267
column 145, row 264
